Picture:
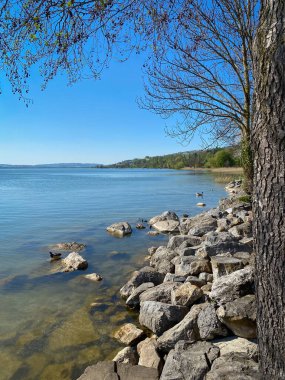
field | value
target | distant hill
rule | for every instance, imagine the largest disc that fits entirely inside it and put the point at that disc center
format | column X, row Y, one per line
column 194, row 158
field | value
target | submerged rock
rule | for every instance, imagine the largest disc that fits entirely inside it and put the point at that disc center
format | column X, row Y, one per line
column 94, row 277
column 73, row 246
column 120, row 229
column 74, row 262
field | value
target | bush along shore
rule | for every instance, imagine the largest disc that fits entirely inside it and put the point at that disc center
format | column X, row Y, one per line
column 195, row 300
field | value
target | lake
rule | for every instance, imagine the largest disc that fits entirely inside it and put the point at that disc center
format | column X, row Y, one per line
column 53, row 325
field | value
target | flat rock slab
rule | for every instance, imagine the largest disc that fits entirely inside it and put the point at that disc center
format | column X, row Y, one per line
column 166, row 215
column 129, row 334
column 120, row 229
column 167, row 226
column 159, row 293
column 159, row 317
column 110, row 370
column 234, row 345
column 222, row 266
column 74, row 262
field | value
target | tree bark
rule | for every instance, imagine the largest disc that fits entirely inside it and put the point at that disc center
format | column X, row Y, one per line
column 268, row 138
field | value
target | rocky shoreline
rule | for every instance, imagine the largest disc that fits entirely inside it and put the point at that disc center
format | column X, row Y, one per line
column 195, row 299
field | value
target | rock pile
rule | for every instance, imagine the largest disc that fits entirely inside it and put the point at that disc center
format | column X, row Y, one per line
column 197, row 298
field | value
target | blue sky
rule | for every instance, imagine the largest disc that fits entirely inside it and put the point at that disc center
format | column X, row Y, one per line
column 91, row 121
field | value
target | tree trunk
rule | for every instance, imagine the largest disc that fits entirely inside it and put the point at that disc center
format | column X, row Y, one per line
column 268, row 138
column 247, row 163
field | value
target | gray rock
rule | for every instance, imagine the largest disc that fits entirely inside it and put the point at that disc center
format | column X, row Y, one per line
column 129, row 334
column 137, row 372
column 200, row 266
column 234, row 366
column 166, row 215
column 223, row 247
column 232, row 286
column 165, row 266
column 234, row 344
column 159, row 293
column 187, row 251
column 171, row 277
column 120, row 229
column 223, row 224
column 149, row 356
column 242, row 230
column 196, row 281
column 205, row 225
column 183, row 265
column 152, row 250
column 94, row 277
column 240, row 316
column 146, row 274
column 214, row 237
column 186, row 294
column 209, row 325
column 187, row 330
column 176, row 241
column 162, row 253
column 189, row 361
column 100, row 371
column 245, row 257
column 74, row 262
column 167, row 226
column 208, row 277
column 127, row 355
column 159, row 317
column 134, row 298
column 222, row 266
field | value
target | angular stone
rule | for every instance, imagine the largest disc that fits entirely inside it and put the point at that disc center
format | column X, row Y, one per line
column 136, row 372
column 242, row 230
column 74, row 262
column 159, row 317
column 171, row 277
column 213, row 237
column 200, row 266
column 222, row 266
column 162, row 253
column 176, row 241
column 165, row 266
column 189, row 361
column 183, row 265
column 134, row 298
column 186, row 294
column 149, row 357
column 120, row 229
column 240, row 316
column 186, row 330
column 167, row 226
column 127, row 355
column 232, row 286
column 223, row 247
column 234, row 366
column 203, row 227
column 94, row 277
column 208, row 277
column 209, row 325
column 146, row 274
column 159, row 293
column 235, row 344
column 196, row 281
column 100, row 371
column 152, row 250
column 129, row 334
column 245, row 257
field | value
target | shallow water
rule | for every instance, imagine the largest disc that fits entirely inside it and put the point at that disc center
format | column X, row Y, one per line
column 48, row 327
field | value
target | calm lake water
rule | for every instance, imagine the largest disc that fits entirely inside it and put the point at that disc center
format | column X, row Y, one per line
column 48, row 328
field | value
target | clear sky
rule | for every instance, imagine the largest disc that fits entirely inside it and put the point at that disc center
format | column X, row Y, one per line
column 91, row 121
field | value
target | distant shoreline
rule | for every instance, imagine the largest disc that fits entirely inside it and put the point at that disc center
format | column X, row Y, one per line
column 231, row 170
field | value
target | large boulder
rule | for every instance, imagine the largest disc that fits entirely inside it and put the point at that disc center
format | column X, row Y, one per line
column 189, row 361
column 234, row 344
column 100, row 371
column 183, row 265
column 159, row 317
column 166, row 215
column 148, row 355
column 137, row 372
column 200, row 266
column 129, row 334
column 159, row 293
column 134, row 299
column 127, row 355
column 232, row 286
column 146, row 274
column 224, row 247
column 186, row 294
column 120, row 229
column 165, row 266
column 209, row 325
column 167, row 226
column 176, row 241
column 74, row 262
column 242, row 230
column 186, row 330
column 222, row 266
column 240, row 316
column 203, row 226
column 234, row 366
column 162, row 253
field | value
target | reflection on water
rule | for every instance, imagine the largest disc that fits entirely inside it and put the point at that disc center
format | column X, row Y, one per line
column 52, row 325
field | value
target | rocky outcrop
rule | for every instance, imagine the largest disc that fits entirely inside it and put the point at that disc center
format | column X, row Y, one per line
column 74, row 262
column 120, row 229
column 159, row 317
